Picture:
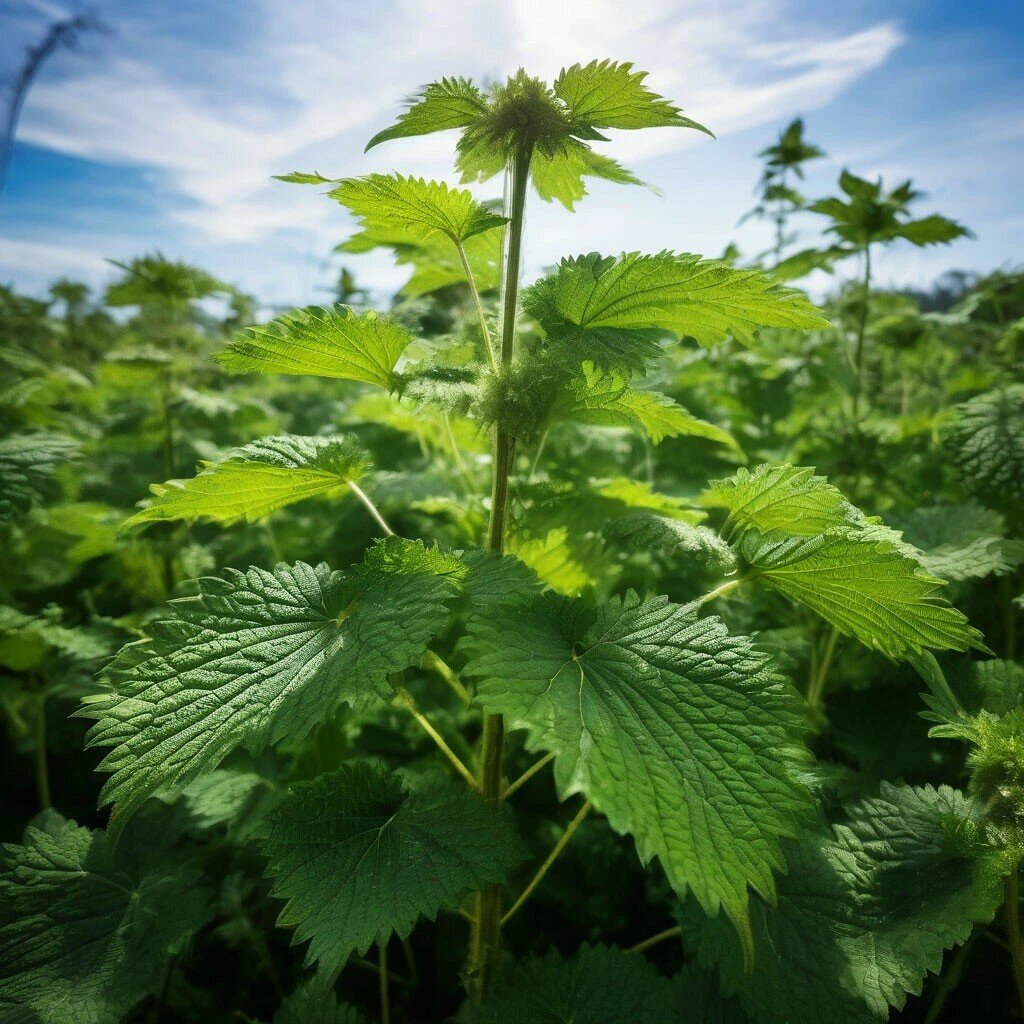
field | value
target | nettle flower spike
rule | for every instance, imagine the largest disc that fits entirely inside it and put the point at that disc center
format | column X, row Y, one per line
column 553, row 123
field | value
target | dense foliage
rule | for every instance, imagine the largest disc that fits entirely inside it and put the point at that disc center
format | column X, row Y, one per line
column 636, row 645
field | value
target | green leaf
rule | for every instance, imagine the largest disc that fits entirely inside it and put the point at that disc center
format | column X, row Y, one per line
column 961, row 542
column 933, row 230
column 995, row 686
column 865, row 582
column 604, row 398
column 598, row 306
column 256, row 657
column 864, row 913
column 86, row 928
column 560, row 175
column 987, row 439
column 256, row 479
column 29, row 464
column 318, row 342
column 769, row 498
column 643, row 531
column 361, row 853
column 420, row 210
column 304, row 178
column 449, row 103
column 552, row 558
column 681, row 734
column 597, row 985
column 606, row 94
column 309, row 1005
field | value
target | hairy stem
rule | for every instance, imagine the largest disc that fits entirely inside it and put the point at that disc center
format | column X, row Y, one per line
column 527, row 775
column 551, row 858
column 371, row 508
column 720, row 590
column 42, row 769
column 1011, row 911
column 471, row 281
column 434, row 663
column 816, row 683
column 654, row 940
column 858, row 348
column 485, row 938
column 404, row 698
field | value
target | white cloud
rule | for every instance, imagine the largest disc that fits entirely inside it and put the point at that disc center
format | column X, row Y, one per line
column 317, row 76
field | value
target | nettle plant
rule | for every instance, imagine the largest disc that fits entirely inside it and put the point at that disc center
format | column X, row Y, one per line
column 647, row 711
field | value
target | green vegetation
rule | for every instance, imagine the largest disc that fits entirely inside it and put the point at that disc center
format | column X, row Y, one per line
column 647, row 596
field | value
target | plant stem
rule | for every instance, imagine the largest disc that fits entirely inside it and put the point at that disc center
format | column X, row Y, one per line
column 385, row 1002
column 471, row 281
column 668, row 933
column 527, row 775
column 858, row 350
column 41, row 765
column 551, row 858
column 816, row 683
column 371, row 508
column 540, row 450
column 405, row 699
column 460, row 463
column 1011, row 910
column 950, row 978
column 723, row 588
column 485, row 938
column 433, row 663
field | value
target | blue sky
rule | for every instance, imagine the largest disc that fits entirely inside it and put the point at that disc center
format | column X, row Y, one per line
column 164, row 134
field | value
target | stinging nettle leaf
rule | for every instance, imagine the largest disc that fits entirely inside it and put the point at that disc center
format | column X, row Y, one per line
column 679, row 733
column 607, row 94
column 415, row 208
column 362, row 853
column 598, row 306
column 864, row 913
column 29, row 464
column 318, row 342
column 86, row 929
column 256, row 657
column 256, row 479
column 449, row 103
column 310, row 1005
column 596, row 985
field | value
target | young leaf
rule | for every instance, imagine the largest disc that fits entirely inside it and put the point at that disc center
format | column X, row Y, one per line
column 317, row 342
column 561, row 175
column 360, row 854
column 421, row 210
column 865, row 582
column 643, row 531
column 598, row 306
column 256, row 479
column 769, row 498
column 606, row 94
column 597, row 985
column 605, row 398
column 304, row 178
column 256, row 657
column 678, row 732
column 864, row 913
column 449, row 103
column 86, row 928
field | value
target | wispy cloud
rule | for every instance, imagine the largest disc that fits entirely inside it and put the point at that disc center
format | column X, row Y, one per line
column 315, row 76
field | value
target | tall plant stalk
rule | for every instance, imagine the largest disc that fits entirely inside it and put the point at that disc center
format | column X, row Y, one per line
column 485, row 938
column 858, row 348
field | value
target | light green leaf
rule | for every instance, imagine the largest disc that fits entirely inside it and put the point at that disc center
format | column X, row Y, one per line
column 597, row 985
column 419, row 209
column 864, row 913
column 449, row 103
column 606, row 94
column 256, row 657
column 865, row 582
column 769, row 498
column 597, row 306
column 552, row 558
column 605, row 398
column 304, row 178
column 643, row 531
column 361, row 853
column 318, row 342
column 560, row 175
column 681, row 734
column 86, row 928
column 29, row 464
column 932, row 230
column 256, row 479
